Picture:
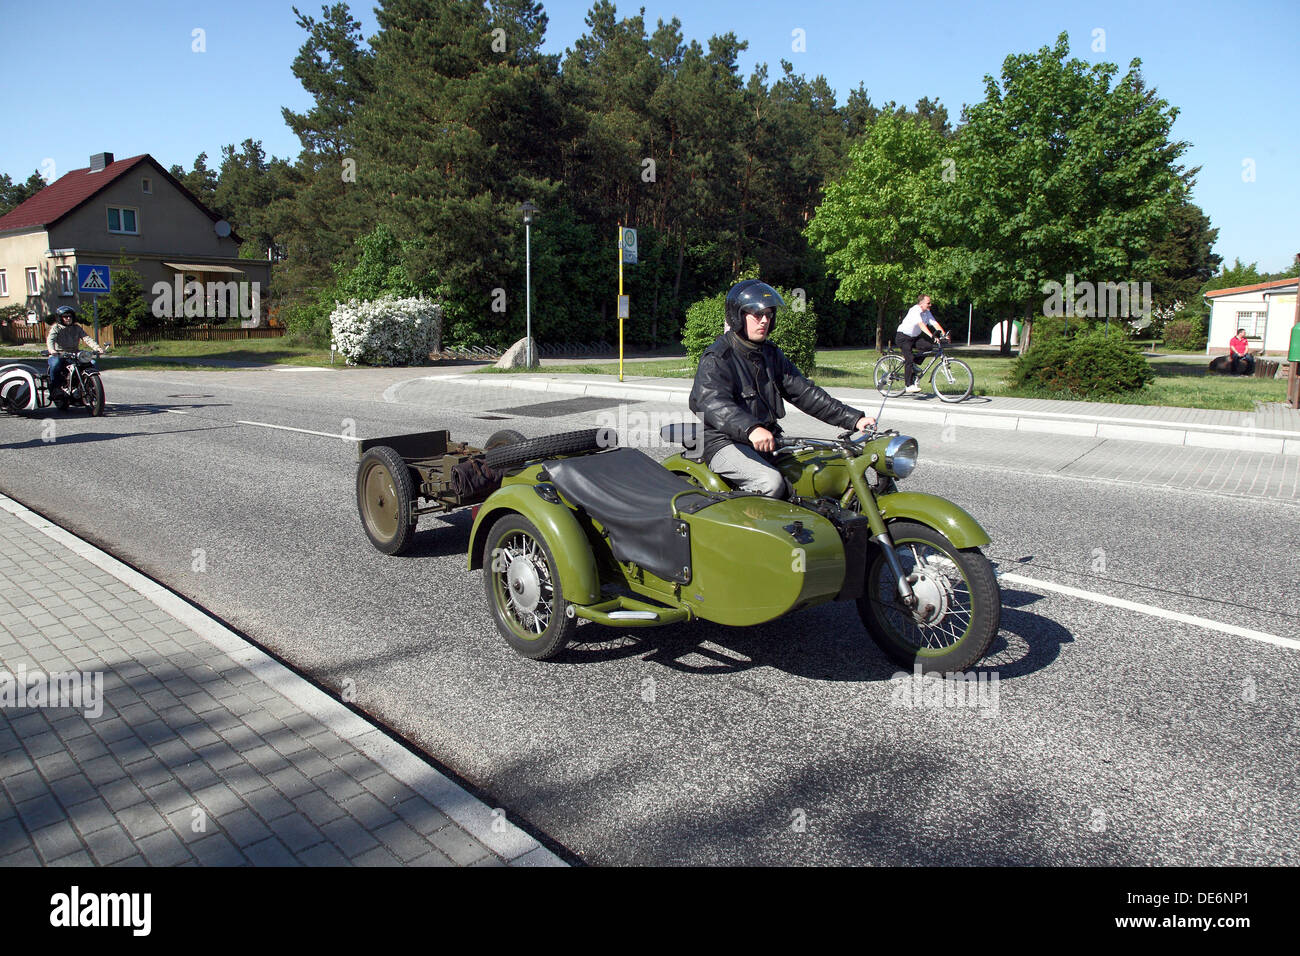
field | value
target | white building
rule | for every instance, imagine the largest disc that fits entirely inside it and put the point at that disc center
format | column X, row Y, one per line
column 1265, row 310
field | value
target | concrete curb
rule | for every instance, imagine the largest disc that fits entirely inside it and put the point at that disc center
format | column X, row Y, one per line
column 1237, row 438
column 486, row 825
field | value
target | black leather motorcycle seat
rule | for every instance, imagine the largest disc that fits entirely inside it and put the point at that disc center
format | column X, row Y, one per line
column 631, row 495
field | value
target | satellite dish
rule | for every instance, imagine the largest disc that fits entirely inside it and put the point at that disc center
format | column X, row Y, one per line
column 222, row 228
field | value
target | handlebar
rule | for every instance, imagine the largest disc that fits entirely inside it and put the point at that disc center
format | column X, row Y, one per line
column 842, row 442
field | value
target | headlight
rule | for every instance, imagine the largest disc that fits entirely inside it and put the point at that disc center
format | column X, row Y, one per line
column 900, row 456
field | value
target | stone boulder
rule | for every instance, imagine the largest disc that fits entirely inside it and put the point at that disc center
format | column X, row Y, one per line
column 517, row 356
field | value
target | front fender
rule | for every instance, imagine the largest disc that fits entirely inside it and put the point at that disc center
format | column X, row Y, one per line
column 696, row 470
column 934, row 512
column 573, row 558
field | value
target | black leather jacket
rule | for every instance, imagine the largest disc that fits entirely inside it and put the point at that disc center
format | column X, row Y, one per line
column 734, row 393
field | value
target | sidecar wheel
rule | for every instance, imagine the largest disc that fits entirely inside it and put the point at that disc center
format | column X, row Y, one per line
column 385, row 499
column 958, row 589
column 523, row 589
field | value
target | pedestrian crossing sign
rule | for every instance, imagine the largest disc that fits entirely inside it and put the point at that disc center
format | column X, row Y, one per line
column 93, row 280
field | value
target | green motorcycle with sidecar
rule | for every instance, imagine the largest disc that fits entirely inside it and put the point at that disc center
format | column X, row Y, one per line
column 582, row 529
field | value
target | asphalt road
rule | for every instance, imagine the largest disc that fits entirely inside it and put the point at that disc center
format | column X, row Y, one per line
column 1110, row 735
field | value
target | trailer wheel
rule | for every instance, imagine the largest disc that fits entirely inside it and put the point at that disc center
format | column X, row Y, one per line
column 386, row 499
column 548, row 446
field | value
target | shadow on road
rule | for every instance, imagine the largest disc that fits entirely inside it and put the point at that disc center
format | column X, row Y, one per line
column 822, row 643
column 87, row 437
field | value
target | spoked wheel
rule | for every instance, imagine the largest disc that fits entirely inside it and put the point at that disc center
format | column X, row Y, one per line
column 890, row 375
column 386, row 499
column 92, row 393
column 959, row 606
column 523, row 589
column 953, row 380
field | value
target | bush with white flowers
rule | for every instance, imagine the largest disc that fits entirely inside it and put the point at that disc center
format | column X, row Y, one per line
column 386, row 331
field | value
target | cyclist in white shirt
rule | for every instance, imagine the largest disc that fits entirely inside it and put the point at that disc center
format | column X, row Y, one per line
column 917, row 324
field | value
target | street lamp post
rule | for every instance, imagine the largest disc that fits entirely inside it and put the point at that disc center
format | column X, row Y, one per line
column 528, row 209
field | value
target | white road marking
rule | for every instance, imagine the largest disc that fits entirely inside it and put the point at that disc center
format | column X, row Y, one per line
column 1154, row 611
column 305, row 431
column 174, row 411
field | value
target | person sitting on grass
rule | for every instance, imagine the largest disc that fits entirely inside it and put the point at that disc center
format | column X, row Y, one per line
column 1239, row 353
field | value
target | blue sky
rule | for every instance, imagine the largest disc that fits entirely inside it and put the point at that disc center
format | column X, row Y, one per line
column 122, row 76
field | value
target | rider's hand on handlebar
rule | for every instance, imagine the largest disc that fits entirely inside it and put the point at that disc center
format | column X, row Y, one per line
column 865, row 422
column 762, row 439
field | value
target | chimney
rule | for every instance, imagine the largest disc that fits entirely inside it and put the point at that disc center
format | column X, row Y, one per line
column 100, row 160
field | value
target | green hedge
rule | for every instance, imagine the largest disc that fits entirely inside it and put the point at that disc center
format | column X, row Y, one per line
column 1094, row 363
column 795, row 335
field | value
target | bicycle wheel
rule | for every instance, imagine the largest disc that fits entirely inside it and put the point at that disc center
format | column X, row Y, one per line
column 889, row 376
column 953, row 380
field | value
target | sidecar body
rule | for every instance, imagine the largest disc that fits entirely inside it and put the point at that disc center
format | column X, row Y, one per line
column 634, row 545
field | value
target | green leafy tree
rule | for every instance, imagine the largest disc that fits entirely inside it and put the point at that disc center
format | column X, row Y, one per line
column 124, row 307
column 1237, row 274
column 13, row 194
column 200, row 180
column 1057, row 171
column 1187, row 255
column 247, row 186
column 452, row 138
column 873, row 223
column 322, row 211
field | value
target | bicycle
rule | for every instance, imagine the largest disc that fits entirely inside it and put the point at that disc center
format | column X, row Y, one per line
column 952, row 379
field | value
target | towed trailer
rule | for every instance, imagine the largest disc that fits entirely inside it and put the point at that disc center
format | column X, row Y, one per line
column 401, row 477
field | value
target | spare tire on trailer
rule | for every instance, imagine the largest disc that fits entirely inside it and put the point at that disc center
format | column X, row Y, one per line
column 548, row 446
column 505, row 436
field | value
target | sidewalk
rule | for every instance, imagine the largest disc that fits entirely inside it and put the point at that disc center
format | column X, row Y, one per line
column 135, row 730
column 1273, row 428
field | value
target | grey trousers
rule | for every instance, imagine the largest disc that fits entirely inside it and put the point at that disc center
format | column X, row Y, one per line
column 748, row 470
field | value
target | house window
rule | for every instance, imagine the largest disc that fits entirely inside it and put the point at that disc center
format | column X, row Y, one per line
column 146, row 186
column 1253, row 322
column 122, row 219
column 4, row 284
column 33, row 282
column 65, row 281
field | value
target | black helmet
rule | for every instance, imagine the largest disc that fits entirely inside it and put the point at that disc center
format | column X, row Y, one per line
column 749, row 295
column 63, row 310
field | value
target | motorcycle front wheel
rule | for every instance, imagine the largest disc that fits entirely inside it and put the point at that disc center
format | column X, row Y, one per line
column 92, row 393
column 959, row 605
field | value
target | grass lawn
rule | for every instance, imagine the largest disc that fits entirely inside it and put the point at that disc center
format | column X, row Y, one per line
column 1182, row 383
column 192, row 355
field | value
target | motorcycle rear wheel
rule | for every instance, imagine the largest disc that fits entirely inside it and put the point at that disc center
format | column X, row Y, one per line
column 959, row 599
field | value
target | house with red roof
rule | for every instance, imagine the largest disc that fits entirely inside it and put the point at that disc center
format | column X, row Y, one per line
column 1266, row 310
column 128, row 213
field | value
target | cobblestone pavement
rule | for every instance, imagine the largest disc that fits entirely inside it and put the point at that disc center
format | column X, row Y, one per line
column 185, row 745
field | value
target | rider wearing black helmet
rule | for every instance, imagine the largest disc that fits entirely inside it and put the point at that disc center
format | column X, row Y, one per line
column 65, row 335
column 739, row 388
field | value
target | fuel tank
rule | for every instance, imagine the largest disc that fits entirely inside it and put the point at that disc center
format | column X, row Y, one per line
column 756, row 558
